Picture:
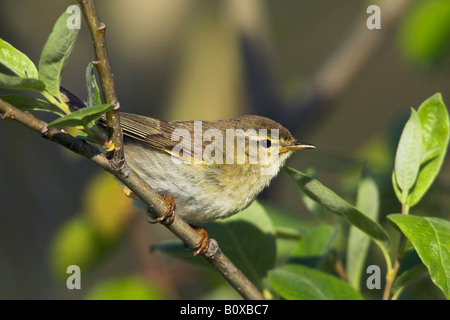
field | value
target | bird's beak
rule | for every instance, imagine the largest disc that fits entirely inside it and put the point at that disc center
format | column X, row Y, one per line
column 295, row 145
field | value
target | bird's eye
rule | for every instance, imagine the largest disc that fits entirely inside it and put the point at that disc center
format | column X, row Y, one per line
column 265, row 143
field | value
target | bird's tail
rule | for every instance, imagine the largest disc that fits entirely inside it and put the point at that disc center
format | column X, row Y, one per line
column 72, row 100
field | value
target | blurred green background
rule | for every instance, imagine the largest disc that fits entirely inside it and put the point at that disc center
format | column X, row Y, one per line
column 311, row 65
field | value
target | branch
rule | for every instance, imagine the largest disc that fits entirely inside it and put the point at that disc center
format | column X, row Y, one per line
column 119, row 168
column 97, row 30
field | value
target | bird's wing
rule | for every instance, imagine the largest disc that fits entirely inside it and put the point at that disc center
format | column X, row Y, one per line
column 159, row 134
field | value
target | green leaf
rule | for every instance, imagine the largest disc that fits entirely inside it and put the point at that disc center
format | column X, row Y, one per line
column 318, row 192
column 248, row 239
column 397, row 190
column 431, row 239
column 435, row 132
column 312, row 248
column 367, row 201
column 409, row 155
column 81, row 117
column 312, row 205
column 16, row 61
column 296, row 282
column 18, row 83
column 26, row 103
column 56, row 53
column 130, row 287
column 92, row 87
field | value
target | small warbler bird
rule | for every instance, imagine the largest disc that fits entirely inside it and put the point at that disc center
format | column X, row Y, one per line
column 208, row 169
column 206, row 189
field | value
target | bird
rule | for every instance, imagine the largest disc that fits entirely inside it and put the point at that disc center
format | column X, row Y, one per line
column 204, row 170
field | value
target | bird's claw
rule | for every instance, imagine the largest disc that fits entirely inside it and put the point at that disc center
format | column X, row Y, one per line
column 166, row 218
column 202, row 247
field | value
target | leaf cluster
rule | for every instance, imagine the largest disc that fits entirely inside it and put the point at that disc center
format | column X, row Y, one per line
column 47, row 80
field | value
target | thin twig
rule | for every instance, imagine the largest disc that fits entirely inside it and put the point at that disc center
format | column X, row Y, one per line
column 101, row 63
column 390, row 276
column 338, row 266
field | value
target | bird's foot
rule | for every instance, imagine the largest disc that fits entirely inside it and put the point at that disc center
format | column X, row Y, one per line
column 202, row 247
column 166, row 218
